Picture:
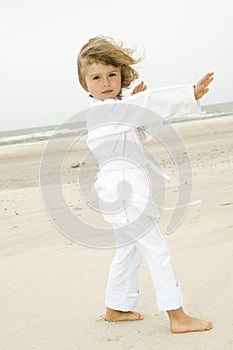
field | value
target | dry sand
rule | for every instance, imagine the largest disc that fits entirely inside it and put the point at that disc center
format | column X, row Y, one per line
column 52, row 289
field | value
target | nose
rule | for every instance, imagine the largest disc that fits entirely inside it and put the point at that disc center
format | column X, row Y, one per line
column 106, row 81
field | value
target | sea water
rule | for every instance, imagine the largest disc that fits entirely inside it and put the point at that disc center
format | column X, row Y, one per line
column 79, row 128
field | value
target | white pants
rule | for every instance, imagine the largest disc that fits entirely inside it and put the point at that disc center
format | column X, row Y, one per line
column 123, row 284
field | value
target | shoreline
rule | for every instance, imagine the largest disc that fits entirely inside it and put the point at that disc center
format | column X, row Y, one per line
column 175, row 120
column 22, row 161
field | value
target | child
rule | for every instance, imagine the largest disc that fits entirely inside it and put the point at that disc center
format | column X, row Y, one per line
column 104, row 69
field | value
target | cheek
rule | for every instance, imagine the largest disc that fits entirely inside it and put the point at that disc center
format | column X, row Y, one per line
column 119, row 81
column 90, row 86
column 119, row 85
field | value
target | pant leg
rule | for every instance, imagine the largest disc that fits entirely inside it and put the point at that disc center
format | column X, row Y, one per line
column 153, row 246
column 123, row 283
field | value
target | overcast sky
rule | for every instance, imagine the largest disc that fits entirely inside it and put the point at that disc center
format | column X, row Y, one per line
column 40, row 40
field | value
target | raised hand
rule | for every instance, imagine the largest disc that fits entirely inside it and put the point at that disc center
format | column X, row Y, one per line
column 201, row 88
column 140, row 87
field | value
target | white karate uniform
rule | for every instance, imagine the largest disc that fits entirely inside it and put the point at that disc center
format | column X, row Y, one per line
column 116, row 131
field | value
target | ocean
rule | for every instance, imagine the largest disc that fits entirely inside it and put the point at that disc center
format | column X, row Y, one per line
column 45, row 132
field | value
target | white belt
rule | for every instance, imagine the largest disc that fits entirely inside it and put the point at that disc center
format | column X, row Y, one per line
column 144, row 162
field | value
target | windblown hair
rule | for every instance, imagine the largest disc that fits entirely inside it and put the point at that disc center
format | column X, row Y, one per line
column 106, row 51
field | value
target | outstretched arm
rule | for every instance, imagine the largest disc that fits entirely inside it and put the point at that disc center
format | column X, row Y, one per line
column 201, row 88
column 171, row 101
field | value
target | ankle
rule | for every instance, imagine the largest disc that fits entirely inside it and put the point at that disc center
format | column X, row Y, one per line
column 111, row 311
column 176, row 314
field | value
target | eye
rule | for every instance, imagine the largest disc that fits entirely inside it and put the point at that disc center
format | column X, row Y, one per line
column 112, row 74
column 96, row 77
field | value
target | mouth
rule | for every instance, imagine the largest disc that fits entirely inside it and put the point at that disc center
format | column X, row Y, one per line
column 106, row 92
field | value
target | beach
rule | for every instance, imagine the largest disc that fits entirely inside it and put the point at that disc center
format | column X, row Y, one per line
column 53, row 289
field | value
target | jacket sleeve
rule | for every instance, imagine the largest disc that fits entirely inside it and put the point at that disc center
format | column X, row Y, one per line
column 145, row 110
column 167, row 102
column 164, row 103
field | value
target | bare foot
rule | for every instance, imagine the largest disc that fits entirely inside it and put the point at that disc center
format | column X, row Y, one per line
column 116, row 315
column 180, row 322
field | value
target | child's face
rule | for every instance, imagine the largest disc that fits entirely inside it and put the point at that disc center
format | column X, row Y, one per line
column 103, row 82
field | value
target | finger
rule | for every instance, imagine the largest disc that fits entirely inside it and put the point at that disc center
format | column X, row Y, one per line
column 144, row 87
column 210, row 80
column 207, row 78
column 204, row 78
column 208, row 75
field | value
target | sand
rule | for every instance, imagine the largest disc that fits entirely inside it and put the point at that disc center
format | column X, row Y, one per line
column 52, row 289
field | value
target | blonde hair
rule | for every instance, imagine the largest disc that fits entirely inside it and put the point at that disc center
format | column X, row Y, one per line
column 105, row 50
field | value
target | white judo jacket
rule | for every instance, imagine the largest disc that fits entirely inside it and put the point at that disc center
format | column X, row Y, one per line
column 116, row 132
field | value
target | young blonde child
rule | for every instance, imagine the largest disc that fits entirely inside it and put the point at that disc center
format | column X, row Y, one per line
column 104, row 70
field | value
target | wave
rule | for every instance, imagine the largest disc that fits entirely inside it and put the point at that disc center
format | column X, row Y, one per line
column 46, row 132
column 39, row 134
